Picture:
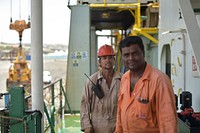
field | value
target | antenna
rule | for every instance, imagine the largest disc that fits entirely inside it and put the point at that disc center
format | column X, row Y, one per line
column 89, row 78
column 96, row 88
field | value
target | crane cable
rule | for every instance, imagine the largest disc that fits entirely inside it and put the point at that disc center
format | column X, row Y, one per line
column 68, row 4
column 29, row 5
column 10, row 11
column 19, row 10
column 19, row 25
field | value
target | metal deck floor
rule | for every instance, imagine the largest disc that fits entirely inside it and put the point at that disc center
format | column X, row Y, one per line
column 69, row 124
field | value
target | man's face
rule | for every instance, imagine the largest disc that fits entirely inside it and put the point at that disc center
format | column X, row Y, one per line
column 133, row 57
column 107, row 62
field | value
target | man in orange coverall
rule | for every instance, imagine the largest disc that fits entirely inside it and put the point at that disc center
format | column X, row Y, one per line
column 146, row 101
column 98, row 113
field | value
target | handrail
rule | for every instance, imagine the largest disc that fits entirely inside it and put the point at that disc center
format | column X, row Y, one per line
column 50, row 117
column 49, row 85
column 66, row 100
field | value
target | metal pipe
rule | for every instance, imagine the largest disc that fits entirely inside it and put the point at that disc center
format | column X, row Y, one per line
column 149, row 37
column 150, row 30
column 13, row 118
column 184, row 61
column 49, row 119
column 138, row 15
column 136, row 30
column 25, row 127
column 125, row 6
column 61, row 98
column 37, row 57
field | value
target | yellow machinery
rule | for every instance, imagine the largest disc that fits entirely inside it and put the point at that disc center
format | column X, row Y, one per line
column 19, row 71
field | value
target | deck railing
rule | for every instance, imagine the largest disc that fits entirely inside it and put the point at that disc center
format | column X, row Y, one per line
column 54, row 102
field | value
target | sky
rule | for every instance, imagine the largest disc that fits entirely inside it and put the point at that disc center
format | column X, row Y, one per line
column 56, row 21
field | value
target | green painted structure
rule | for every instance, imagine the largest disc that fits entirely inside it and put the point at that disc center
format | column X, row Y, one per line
column 16, row 119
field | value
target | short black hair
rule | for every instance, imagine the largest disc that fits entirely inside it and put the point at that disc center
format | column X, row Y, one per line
column 131, row 40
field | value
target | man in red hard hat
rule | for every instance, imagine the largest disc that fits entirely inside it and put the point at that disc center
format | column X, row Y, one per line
column 99, row 102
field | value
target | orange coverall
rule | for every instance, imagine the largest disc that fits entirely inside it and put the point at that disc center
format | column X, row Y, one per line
column 150, row 108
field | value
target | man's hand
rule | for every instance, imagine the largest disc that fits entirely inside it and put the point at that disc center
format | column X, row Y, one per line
column 88, row 130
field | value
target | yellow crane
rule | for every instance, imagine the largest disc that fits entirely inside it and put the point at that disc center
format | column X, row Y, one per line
column 19, row 72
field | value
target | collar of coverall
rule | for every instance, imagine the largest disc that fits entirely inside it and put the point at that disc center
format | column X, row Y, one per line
column 115, row 76
column 146, row 74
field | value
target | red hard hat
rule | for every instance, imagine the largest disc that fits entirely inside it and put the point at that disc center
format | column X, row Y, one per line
column 106, row 50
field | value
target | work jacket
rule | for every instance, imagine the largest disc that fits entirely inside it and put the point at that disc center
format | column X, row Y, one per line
column 100, row 113
column 150, row 108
